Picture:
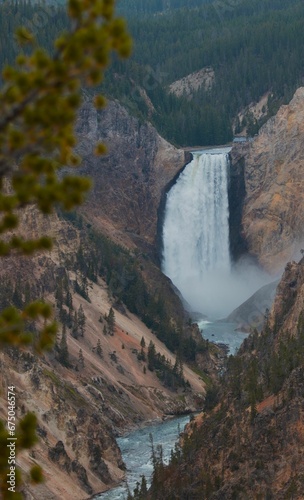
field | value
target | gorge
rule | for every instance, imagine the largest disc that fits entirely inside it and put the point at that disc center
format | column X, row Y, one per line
column 129, row 183
column 149, row 278
column 242, row 156
column 248, row 442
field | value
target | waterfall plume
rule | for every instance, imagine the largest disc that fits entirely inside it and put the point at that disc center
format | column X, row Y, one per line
column 196, row 253
column 196, row 227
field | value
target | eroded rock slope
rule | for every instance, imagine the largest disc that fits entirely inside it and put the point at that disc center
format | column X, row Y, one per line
column 272, row 219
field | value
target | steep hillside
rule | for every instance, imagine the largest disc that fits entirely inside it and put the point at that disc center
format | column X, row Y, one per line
column 250, row 445
column 204, row 78
column 125, row 346
column 84, row 400
column 272, row 220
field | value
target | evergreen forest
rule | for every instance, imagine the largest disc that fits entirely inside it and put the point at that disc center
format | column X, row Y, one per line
column 255, row 48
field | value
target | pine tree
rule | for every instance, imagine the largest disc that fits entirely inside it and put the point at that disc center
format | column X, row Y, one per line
column 85, row 287
column 111, row 321
column 81, row 260
column 143, row 343
column 59, row 296
column 141, row 356
column 75, row 326
column 99, row 349
column 80, row 359
column 151, row 356
column 69, row 298
column 178, row 366
column 17, row 298
column 143, row 487
column 63, row 348
column 81, row 320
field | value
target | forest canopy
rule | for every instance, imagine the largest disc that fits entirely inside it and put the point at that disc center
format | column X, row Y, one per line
column 255, row 49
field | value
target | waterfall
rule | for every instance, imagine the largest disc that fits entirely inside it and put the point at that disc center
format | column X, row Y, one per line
column 196, row 231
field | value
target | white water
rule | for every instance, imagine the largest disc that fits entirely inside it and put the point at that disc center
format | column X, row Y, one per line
column 196, row 252
column 136, row 453
column 196, row 229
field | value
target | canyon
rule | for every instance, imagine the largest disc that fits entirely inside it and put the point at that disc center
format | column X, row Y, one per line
column 81, row 409
column 249, row 440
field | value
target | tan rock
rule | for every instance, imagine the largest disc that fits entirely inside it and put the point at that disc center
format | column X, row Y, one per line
column 273, row 215
column 130, row 180
column 204, row 78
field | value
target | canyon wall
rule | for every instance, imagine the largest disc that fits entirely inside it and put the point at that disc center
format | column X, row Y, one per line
column 130, row 179
column 248, row 443
column 266, row 188
column 273, row 215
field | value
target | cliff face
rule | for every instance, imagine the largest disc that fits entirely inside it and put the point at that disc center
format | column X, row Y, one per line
column 77, row 447
column 273, row 220
column 130, row 180
column 289, row 301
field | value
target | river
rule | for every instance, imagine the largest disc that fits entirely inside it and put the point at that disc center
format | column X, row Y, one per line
column 136, row 453
column 222, row 333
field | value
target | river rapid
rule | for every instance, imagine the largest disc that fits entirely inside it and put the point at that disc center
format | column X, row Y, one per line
column 136, row 453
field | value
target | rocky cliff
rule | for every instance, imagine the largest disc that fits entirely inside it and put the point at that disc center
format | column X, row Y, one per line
column 130, row 179
column 272, row 217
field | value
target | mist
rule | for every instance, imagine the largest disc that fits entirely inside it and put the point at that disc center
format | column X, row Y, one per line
column 217, row 293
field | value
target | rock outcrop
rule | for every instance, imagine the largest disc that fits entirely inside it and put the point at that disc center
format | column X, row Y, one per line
column 273, row 214
column 130, row 179
column 187, row 86
column 253, row 312
column 289, row 301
